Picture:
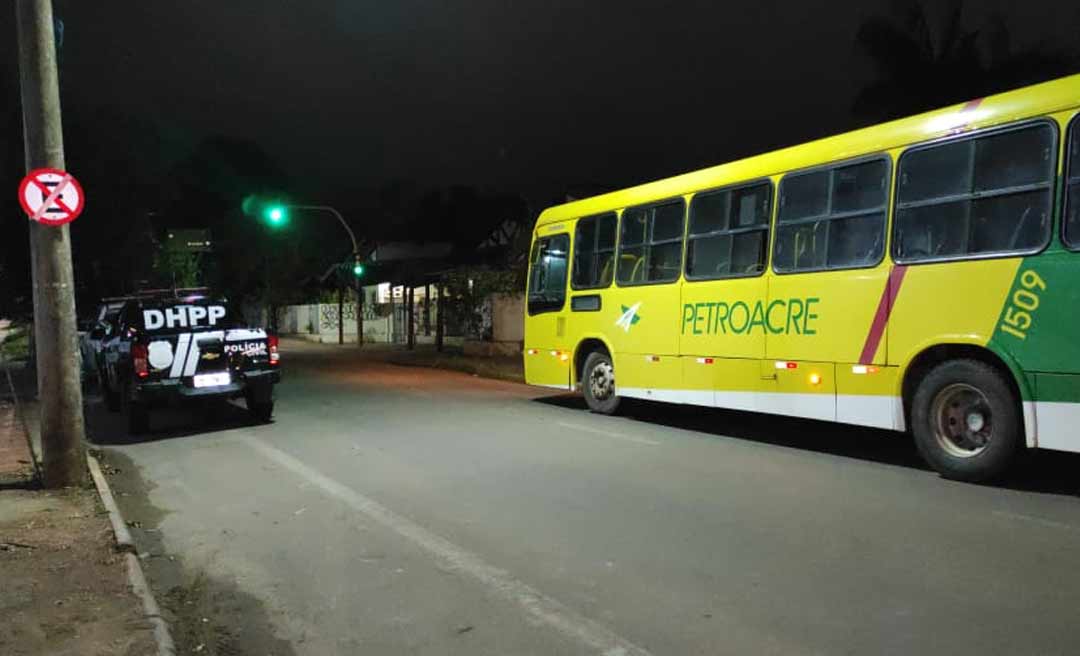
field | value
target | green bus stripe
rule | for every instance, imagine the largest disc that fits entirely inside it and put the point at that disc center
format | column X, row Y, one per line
column 1060, row 388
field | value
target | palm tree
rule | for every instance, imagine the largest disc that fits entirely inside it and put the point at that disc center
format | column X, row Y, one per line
column 918, row 70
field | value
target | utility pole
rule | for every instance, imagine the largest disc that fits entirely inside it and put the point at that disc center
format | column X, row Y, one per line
column 427, row 309
column 340, row 308
column 59, row 389
column 359, row 312
column 440, row 316
column 411, row 318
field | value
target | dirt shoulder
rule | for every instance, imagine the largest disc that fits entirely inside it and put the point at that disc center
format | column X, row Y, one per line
column 64, row 587
column 501, row 368
column 509, row 368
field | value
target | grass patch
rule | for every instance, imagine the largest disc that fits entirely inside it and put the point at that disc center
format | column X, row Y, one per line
column 16, row 346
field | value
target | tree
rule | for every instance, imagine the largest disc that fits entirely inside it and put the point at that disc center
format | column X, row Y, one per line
column 919, row 68
column 178, row 267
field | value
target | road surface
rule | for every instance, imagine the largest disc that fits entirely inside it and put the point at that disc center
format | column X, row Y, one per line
column 401, row 510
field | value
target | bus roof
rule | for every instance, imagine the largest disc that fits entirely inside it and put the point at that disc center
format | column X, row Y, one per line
column 1035, row 100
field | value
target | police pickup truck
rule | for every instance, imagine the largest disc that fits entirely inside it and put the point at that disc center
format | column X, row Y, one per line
column 167, row 350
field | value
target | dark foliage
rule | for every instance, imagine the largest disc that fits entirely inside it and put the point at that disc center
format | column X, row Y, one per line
column 920, row 68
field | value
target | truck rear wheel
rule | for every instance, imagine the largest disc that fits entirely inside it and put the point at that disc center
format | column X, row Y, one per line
column 966, row 420
column 112, row 396
column 138, row 415
column 598, row 383
column 261, row 411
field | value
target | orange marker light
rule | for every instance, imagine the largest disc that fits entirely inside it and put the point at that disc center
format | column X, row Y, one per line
column 815, row 379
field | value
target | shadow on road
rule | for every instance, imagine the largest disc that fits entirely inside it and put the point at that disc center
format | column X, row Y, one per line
column 106, row 428
column 1051, row 472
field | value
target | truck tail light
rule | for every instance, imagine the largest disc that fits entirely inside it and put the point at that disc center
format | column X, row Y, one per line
column 139, row 360
column 272, row 344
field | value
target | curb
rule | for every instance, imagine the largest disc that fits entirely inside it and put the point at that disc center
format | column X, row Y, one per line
column 123, row 535
column 136, row 578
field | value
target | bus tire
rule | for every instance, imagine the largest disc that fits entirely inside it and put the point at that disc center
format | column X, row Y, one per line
column 598, row 383
column 966, row 421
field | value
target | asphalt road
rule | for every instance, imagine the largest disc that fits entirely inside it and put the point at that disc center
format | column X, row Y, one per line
column 399, row 510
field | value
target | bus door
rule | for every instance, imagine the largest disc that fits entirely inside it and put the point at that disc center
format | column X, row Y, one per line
column 828, row 284
column 547, row 349
column 643, row 317
column 720, row 345
column 591, row 277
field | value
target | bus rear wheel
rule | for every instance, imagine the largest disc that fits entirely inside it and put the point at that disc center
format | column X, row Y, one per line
column 966, row 421
column 598, row 383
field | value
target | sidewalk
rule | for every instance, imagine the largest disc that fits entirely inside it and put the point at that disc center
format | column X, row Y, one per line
column 63, row 586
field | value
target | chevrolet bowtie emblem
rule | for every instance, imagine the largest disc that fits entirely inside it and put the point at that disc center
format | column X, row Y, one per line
column 211, row 356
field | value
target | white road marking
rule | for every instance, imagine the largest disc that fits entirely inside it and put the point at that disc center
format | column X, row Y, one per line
column 1036, row 520
column 612, row 435
column 540, row 607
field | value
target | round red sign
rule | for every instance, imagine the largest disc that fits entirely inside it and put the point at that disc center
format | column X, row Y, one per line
column 51, row 197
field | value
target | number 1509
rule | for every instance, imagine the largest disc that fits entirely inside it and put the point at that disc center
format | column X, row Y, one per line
column 1018, row 316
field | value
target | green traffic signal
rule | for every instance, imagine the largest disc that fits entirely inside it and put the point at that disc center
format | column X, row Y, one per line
column 358, row 269
column 276, row 215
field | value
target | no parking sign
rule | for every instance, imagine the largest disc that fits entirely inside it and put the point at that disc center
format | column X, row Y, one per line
column 51, row 197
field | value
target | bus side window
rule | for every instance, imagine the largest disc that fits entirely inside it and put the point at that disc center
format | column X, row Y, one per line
column 728, row 232
column 832, row 218
column 547, row 274
column 978, row 195
column 594, row 252
column 1072, row 193
column 650, row 243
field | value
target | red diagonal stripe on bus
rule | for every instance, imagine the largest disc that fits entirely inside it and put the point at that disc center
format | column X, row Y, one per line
column 881, row 317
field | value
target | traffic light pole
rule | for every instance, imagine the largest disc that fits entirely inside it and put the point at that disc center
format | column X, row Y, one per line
column 356, row 258
column 59, row 385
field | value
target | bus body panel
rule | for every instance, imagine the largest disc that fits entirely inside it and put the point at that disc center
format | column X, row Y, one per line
column 949, row 302
column 807, row 390
column 869, row 396
column 828, row 315
column 546, row 368
column 706, row 324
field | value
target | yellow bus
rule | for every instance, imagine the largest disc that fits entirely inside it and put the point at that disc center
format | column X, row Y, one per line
column 922, row 275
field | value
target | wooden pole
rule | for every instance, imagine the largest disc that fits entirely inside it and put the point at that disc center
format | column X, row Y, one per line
column 59, row 387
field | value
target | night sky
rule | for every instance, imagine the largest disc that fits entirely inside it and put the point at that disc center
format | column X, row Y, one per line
column 530, row 96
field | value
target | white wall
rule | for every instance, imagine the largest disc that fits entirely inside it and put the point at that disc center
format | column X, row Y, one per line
column 508, row 318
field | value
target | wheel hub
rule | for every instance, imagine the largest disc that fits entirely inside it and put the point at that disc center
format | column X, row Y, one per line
column 963, row 420
column 975, row 422
column 602, row 381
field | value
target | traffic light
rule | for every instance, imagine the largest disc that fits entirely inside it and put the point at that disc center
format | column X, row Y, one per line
column 276, row 215
column 358, row 267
